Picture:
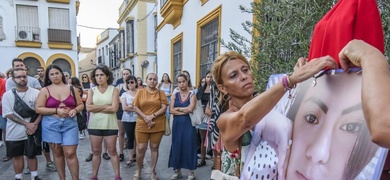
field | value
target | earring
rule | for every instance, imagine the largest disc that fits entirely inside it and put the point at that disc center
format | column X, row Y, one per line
column 226, row 97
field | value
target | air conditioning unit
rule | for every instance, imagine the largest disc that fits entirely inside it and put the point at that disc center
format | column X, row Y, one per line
column 25, row 35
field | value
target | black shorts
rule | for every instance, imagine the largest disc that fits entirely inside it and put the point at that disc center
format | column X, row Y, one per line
column 119, row 113
column 100, row 132
column 19, row 148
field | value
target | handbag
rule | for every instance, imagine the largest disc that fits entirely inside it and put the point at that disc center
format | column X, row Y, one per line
column 167, row 126
column 81, row 121
column 197, row 115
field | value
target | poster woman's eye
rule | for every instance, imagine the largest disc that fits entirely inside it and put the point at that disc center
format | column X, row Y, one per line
column 311, row 119
column 352, row 128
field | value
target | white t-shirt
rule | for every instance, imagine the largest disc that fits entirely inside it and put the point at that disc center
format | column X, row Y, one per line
column 15, row 131
column 128, row 116
column 31, row 82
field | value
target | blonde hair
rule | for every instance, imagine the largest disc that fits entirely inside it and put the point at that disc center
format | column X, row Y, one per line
column 218, row 64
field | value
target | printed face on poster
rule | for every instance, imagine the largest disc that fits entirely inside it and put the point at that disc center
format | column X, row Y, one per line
column 330, row 138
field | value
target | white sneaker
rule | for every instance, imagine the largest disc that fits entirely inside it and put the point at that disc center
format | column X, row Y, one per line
column 81, row 136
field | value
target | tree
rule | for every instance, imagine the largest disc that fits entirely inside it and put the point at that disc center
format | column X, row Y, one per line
column 281, row 33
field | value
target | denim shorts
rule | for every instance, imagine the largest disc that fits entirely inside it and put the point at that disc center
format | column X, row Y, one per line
column 57, row 130
column 3, row 123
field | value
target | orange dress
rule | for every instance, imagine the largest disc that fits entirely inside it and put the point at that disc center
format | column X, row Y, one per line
column 150, row 103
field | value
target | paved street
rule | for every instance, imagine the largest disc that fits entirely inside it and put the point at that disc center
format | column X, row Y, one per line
column 106, row 172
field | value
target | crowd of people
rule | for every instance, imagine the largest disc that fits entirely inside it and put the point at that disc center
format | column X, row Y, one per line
column 135, row 115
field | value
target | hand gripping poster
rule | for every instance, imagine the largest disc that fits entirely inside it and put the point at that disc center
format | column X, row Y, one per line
column 318, row 133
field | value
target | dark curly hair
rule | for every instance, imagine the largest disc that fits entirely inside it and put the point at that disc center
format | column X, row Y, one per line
column 106, row 70
column 47, row 80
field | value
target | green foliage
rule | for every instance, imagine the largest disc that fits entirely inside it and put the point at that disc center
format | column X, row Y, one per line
column 284, row 32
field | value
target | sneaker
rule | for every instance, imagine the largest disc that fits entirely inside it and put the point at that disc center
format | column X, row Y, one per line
column 6, row 158
column 50, row 166
column 191, row 175
column 36, row 178
column 81, row 136
column 208, row 156
column 106, row 156
column 89, row 158
column 26, row 171
column 177, row 175
column 121, row 157
column 1, row 143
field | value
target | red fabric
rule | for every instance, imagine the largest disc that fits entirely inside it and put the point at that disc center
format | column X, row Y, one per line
column 2, row 91
column 347, row 20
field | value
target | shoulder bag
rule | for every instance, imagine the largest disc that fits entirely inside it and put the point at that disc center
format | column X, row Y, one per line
column 81, row 121
column 198, row 113
column 167, row 125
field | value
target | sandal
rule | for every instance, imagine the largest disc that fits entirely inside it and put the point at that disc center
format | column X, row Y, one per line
column 153, row 176
column 121, row 157
column 201, row 163
column 136, row 175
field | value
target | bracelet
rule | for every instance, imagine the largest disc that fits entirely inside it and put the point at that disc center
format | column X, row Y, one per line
column 154, row 115
column 56, row 111
column 76, row 110
column 286, row 85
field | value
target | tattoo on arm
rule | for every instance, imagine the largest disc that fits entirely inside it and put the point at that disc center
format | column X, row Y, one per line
column 16, row 119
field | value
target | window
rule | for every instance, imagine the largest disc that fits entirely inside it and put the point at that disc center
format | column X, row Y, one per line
column 208, row 46
column 177, row 56
column 130, row 36
column 155, row 33
column 59, row 25
column 103, row 56
column 27, row 23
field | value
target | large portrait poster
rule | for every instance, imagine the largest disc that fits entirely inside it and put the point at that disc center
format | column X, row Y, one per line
column 330, row 138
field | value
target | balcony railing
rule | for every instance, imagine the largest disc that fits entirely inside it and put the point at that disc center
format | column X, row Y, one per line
column 59, row 35
column 27, row 33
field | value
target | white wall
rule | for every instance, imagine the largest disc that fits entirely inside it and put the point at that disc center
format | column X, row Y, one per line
column 232, row 18
column 8, row 50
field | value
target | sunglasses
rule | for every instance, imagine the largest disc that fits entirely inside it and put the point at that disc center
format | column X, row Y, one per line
column 130, row 82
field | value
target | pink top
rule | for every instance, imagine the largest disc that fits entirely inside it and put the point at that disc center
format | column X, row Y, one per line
column 52, row 102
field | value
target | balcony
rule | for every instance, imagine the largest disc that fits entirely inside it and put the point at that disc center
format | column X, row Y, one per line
column 172, row 11
column 59, row 1
column 27, row 37
column 123, row 7
column 59, row 39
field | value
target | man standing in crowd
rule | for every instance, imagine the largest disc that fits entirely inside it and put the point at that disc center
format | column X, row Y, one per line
column 18, row 128
column 32, row 82
column 41, row 75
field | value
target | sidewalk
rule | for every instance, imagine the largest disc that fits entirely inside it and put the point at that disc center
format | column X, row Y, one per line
column 106, row 171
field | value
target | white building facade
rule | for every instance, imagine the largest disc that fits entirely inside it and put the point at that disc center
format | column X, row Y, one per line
column 137, row 36
column 189, row 33
column 40, row 32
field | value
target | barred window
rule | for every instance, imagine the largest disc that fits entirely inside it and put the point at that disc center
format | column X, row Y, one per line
column 130, row 36
column 208, row 46
column 177, row 60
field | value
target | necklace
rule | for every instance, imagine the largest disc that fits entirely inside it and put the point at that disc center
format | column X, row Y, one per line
column 22, row 94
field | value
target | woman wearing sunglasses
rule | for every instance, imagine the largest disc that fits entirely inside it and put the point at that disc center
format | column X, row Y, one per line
column 129, row 117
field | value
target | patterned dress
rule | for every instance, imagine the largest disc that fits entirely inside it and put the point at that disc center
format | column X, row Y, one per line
column 231, row 162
